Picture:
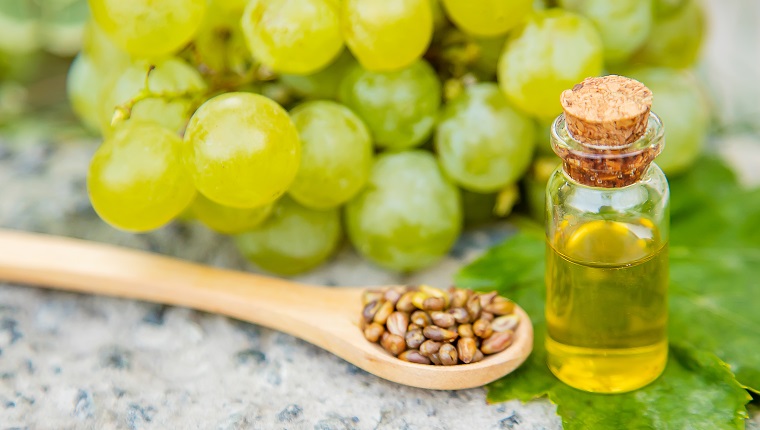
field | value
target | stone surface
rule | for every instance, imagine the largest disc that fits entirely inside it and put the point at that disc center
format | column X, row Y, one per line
column 70, row 361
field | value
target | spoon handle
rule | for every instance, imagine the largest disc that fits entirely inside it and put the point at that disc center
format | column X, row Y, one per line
column 89, row 267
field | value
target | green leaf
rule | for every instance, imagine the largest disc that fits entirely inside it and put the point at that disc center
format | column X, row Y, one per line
column 730, row 222
column 531, row 380
column 714, row 305
column 696, row 391
column 707, row 180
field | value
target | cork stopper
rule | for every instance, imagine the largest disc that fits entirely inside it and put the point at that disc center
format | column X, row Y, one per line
column 607, row 111
column 605, row 119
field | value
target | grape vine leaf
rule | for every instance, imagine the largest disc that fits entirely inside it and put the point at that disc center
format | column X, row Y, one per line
column 712, row 312
column 696, row 391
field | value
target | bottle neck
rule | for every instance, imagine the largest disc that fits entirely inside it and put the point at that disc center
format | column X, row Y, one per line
column 607, row 166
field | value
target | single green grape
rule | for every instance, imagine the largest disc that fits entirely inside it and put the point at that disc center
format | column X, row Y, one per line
column 489, row 52
column 477, row 208
column 408, row 216
column 483, row 143
column 293, row 239
column 136, row 180
column 293, row 36
column 336, row 154
column 387, row 35
column 172, row 83
column 101, row 50
column 550, row 52
column 84, row 84
column 622, row 24
column 236, row 6
column 398, row 107
column 675, row 39
column 219, row 44
column 19, row 27
column 227, row 220
column 663, row 8
column 323, row 84
column 61, row 25
column 242, row 150
column 149, row 28
column 487, row 17
column 680, row 102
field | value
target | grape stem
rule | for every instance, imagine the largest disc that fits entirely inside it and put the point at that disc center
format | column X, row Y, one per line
column 123, row 111
column 227, row 79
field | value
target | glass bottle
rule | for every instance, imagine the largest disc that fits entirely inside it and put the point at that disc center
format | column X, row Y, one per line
column 607, row 240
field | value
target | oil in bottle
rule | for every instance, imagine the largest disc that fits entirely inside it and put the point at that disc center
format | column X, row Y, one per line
column 606, row 305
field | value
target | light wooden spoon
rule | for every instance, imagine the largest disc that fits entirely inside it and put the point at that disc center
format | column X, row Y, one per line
column 326, row 317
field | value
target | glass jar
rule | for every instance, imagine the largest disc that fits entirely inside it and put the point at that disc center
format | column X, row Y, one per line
column 607, row 231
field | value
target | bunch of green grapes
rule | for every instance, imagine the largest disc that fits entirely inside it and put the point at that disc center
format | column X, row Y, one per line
column 291, row 124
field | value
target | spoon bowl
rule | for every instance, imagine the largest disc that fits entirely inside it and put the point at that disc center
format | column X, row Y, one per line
column 328, row 317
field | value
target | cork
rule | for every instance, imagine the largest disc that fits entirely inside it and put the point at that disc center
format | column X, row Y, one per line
column 606, row 115
column 607, row 111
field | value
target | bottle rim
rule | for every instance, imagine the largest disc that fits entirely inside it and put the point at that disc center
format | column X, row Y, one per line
column 563, row 142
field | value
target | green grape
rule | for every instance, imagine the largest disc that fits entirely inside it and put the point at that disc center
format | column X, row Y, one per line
column 84, row 84
column 18, row 69
column 242, row 150
column 219, row 44
column 663, row 8
column 136, row 180
column 324, row 83
column 149, row 28
column 477, row 208
column 543, row 141
column 61, row 25
column 227, row 220
column 19, row 27
column 535, row 185
column 484, row 144
column 622, row 24
column 398, row 107
column 675, row 39
column 293, row 240
column 487, row 17
column 293, row 36
column 439, row 18
column 408, row 216
column 489, row 51
column 680, row 102
column 552, row 51
column 236, row 6
column 101, row 50
column 336, row 154
column 172, row 84
column 386, row 35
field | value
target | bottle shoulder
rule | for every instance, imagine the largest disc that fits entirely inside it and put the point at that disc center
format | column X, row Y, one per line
column 650, row 192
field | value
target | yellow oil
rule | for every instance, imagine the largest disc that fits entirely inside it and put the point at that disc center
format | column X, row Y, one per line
column 606, row 305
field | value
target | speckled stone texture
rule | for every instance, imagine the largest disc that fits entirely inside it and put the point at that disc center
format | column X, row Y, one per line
column 70, row 361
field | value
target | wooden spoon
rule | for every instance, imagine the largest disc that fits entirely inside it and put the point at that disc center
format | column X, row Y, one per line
column 326, row 317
